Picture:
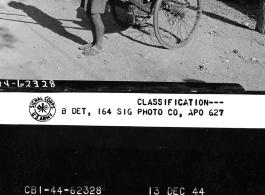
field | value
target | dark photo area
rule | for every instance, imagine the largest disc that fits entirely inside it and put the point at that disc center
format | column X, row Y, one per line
column 130, row 160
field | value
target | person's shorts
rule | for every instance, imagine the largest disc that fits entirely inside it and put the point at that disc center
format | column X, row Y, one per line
column 94, row 6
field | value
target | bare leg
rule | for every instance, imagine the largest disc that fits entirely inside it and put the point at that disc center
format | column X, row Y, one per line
column 97, row 28
column 92, row 26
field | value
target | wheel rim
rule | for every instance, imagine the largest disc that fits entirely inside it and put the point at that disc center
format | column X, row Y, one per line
column 175, row 21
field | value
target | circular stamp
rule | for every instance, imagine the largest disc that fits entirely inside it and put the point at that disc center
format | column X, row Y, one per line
column 42, row 109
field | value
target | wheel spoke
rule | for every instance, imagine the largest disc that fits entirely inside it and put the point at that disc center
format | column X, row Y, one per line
column 176, row 21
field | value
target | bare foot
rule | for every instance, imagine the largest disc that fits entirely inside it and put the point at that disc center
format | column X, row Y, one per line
column 92, row 51
column 86, row 46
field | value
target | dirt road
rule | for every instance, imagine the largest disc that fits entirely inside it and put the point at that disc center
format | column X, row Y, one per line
column 39, row 40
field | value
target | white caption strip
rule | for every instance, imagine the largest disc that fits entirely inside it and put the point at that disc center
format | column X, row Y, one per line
column 124, row 109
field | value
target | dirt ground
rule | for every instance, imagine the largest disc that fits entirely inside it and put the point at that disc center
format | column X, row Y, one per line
column 40, row 40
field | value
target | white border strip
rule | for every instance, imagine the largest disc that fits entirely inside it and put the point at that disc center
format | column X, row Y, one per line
column 226, row 111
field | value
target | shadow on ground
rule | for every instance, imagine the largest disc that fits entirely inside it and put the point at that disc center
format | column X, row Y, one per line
column 144, row 35
column 46, row 21
column 7, row 39
column 225, row 20
column 249, row 10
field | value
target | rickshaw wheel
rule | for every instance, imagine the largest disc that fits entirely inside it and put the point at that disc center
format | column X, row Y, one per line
column 175, row 21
